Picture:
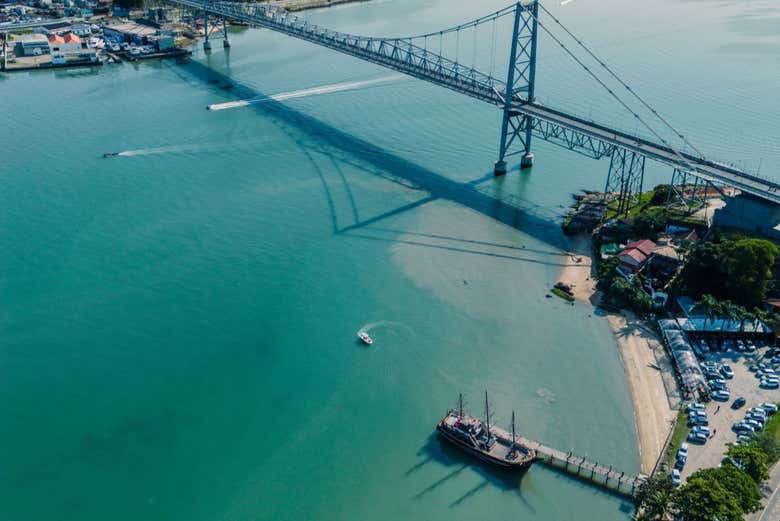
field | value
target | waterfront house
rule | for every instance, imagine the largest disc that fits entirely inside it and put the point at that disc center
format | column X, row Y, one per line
column 67, row 43
column 31, row 45
column 636, row 254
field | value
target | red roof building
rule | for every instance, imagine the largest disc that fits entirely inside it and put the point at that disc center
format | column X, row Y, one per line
column 636, row 254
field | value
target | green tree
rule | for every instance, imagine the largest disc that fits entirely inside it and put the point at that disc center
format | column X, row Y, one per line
column 750, row 458
column 660, row 194
column 768, row 444
column 702, row 499
column 655, row 498
column 710, row 306
column 738, row 483
column 736, row 269
column 747, row 264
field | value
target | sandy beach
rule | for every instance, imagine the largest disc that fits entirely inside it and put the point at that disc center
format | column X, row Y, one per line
column 645, row 361
column 644, row 358
column 578, row 270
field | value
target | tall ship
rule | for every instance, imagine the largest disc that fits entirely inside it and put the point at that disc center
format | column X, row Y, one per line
column 476, row 437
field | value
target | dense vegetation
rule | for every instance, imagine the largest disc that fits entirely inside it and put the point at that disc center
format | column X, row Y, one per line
column 735, row 269
column 618, row 292
column 725, row 493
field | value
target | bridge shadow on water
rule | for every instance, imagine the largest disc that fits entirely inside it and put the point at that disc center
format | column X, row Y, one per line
column 457, row 462
column 342, row 147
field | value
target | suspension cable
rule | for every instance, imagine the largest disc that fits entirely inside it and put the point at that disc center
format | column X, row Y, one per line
column 616, row 77
column 612, row 93
column 493, row 48
column 474, row 49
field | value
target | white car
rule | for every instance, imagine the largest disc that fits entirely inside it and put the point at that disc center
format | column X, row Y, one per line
column 683, row 451
column 721, row 396
column 676, row 479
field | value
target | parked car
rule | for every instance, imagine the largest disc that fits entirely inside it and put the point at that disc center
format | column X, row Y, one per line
column 702, row 429
column 721, row 396
column 742, row 438
column 680, row 463
column 739, row 402
column 770, row 408
column 753, row 368
column 683, row 450
column 727, row 371
column 695, row 406
column 697, row 437
column 676, row 479
column 741, row 427
column 769, row 384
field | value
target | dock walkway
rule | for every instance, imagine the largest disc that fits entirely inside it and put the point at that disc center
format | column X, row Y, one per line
column 606, row 477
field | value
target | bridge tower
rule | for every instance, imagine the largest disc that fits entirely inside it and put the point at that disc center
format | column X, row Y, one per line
column 520, row 80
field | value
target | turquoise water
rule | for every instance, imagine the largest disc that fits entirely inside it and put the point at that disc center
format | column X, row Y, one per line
column 177, row 324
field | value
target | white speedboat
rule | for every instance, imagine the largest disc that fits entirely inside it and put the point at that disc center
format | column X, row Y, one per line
column 363, row 336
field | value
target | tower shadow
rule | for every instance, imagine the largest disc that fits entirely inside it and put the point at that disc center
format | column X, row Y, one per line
column 345, row 147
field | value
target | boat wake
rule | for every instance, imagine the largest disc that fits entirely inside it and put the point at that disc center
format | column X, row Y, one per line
column 164, row 150
column 315, row 91
column 387, row 323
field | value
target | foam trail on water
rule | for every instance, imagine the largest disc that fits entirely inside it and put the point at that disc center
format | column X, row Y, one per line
column 315, row 91
column 162, row 150
column 371, row 325
column 195, row 147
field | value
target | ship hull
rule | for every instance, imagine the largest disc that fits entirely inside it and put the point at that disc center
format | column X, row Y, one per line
column 498, row 462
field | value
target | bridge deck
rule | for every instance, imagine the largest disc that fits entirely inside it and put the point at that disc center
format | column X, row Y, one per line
column 582, row 468
column 404, row 56
column 723, row 174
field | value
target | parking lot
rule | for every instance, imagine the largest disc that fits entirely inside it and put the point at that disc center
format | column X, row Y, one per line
column 721, row 416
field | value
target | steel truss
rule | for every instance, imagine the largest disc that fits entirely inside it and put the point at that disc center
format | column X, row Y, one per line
column 624, row 181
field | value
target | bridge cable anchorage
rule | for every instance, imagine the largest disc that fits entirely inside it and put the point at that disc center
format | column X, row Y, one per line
column 624, row 84
column 682, row 158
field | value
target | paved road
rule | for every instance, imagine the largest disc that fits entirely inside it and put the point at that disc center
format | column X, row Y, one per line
column 770, row 491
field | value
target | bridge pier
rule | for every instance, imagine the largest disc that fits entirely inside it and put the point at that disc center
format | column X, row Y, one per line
column 206, row 42
column 225, row 40
column 527, row 161
column 499, row 167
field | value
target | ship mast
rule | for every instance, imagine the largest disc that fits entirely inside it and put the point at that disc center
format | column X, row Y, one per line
column 487, row 415
column 513, row 432
column 460, row 404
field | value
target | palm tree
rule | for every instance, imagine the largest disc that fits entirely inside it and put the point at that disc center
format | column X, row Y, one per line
column 759, row 315
column 710, row 306
column 743, row 315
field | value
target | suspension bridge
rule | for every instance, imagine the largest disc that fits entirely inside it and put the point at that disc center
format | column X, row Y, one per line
column 423, row 57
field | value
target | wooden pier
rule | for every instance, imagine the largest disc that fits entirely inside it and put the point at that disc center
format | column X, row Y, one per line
column 605, row 477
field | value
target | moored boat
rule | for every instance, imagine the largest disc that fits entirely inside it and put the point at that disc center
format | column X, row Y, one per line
column 476, row 437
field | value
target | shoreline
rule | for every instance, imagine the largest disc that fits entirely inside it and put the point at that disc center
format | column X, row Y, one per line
column 304, row 5
column 644, row 359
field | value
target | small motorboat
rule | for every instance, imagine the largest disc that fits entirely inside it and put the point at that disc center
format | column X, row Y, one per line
column 110, row 154
column 363, row 336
